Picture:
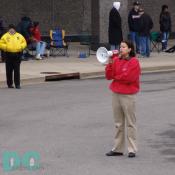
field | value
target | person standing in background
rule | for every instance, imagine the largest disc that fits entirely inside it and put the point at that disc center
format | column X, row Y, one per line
column 145, row 26
column 165, row 26
column 133, row 23
column 24, row 29
column 13, row 43
column 115, row 27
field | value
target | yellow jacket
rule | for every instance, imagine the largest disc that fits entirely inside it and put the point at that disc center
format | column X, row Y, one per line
column 12, row 43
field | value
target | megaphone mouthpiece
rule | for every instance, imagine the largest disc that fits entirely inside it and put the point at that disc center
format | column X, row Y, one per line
column 110, row 53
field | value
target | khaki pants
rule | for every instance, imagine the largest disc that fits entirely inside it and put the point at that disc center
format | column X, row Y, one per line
column 124, row 117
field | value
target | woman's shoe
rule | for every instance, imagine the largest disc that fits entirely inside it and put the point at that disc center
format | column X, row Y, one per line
column 131, row 155
column 112, row 153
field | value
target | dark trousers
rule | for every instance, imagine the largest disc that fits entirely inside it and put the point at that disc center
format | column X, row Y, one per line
column 12, row 63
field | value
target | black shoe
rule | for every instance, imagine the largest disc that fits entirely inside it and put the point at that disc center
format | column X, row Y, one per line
column 11, row 86
column 131, row 155
column 18, row 87
column 112, row 153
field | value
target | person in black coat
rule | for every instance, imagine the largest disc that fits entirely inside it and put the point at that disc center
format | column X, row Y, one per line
column 115, row 27
column 145, row 26
column 165, row 26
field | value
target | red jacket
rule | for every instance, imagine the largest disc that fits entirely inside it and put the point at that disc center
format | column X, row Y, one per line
column 125, row 75
column 36, row 33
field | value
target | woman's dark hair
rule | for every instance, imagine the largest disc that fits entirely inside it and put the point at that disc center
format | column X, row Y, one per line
column 35, row 23
column 164, row 7
column 131, row 46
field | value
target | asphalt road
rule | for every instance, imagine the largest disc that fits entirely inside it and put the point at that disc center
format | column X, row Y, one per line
column 70, row 124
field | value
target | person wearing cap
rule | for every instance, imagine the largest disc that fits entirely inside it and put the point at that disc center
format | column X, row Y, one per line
column 133, row 21
column 165, row 26
column 13, row 44
column 145, row 26
column 115, row 27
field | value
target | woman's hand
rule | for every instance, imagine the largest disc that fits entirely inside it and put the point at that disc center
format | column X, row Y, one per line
column 110, row 60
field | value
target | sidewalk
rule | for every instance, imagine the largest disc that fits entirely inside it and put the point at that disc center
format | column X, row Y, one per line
column 35, row 71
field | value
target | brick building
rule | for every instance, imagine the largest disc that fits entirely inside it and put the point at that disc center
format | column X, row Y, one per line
column 76, row 16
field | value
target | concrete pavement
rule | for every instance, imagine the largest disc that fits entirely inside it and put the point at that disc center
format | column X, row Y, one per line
column 35, row 71
column 70, row 124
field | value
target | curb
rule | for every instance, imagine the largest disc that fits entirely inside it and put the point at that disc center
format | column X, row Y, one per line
column 90, row 75
column 101, row 74
column 83, row 76
column 158, row 71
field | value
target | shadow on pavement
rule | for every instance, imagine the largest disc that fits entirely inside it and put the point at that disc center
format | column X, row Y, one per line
column 166, row 144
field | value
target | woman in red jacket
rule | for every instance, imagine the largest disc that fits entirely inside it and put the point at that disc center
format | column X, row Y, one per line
column 124, row 70
column 36, row 37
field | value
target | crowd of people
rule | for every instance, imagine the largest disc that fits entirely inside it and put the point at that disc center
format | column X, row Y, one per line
column 140, row 25
column 31, row 31
column 15, row 43
column 32, row 34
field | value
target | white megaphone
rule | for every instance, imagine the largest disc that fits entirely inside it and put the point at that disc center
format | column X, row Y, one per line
column 103, row 54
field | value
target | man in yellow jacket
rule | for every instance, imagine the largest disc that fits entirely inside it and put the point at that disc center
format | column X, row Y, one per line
column 13, row 44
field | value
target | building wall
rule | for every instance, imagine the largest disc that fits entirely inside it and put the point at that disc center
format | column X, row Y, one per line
column 72, row 15
column 77, row 16
column 12, row 10
column 95, row 22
